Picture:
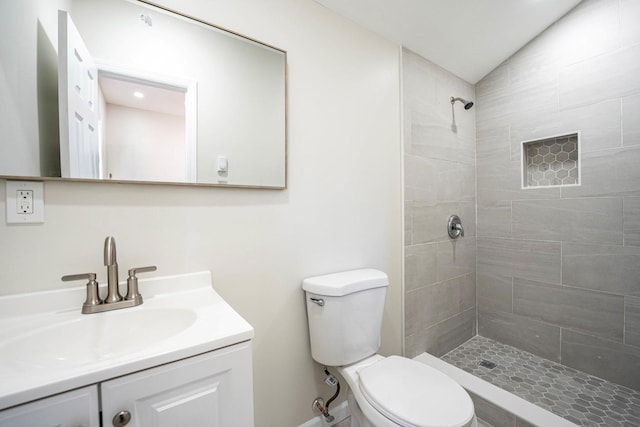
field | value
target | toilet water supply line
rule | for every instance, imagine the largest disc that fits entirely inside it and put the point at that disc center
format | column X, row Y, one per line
column 318, row 404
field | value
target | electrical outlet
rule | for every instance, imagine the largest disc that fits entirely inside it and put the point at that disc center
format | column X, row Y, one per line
column 25, row 202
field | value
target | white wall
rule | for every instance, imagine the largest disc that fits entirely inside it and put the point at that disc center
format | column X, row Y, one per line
column 29, row 88
column 342, row 208
column 144, row 145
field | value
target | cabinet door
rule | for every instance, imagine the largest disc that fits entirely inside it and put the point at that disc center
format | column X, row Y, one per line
column 211, row 390
column 77, row 408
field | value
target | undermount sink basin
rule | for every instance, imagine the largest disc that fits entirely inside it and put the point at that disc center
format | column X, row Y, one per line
column 90, row 338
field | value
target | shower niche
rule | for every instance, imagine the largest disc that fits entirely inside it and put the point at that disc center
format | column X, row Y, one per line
column 551, row 162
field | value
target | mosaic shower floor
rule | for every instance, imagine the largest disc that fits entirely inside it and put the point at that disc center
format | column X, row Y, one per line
column 578, row 397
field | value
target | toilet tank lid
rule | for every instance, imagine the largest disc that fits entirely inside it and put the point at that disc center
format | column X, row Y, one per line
column 346, row 282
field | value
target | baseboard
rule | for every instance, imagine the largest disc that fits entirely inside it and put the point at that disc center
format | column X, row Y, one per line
column 340, row 413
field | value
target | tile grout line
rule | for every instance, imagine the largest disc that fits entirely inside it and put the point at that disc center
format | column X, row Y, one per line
column 560, row 345
column 561, row 263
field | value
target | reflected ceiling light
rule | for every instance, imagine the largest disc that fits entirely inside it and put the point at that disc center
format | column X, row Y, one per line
column 138, row 95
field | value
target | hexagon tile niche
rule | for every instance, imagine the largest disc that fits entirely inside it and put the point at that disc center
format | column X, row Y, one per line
column 551, row 161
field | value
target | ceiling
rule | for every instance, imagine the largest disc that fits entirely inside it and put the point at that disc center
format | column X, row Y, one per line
column 155, row 99
column 466, row 37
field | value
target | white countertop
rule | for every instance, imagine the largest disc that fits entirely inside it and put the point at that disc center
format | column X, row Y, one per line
column 47, row 346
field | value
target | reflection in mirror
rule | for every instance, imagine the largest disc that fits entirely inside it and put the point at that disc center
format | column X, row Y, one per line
column 152, row 118
column 120, row 90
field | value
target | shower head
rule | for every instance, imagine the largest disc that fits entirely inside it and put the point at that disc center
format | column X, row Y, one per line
column 467, row 104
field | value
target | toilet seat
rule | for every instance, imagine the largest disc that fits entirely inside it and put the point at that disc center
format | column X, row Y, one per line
column 413, row 394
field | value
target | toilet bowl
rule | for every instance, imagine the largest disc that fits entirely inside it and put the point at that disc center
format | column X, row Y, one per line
column 344, row 312
column 395, row 391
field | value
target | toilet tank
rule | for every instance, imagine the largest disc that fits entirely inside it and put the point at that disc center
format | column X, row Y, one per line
column 344, row 311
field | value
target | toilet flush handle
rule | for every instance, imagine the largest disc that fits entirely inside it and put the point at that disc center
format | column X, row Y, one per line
column 318, row 301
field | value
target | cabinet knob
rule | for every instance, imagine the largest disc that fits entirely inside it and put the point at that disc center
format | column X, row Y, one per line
column 122, row 418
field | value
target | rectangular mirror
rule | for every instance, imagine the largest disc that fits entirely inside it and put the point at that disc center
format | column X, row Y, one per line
column 125, row 91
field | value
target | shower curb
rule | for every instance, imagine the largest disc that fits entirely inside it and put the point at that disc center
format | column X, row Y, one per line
column 506, row 401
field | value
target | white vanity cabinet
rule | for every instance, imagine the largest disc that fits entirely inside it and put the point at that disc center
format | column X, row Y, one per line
column 210, row 390
column 214, row 389
column 77, row 408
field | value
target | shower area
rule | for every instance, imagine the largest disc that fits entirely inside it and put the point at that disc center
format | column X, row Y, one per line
column 541, row 296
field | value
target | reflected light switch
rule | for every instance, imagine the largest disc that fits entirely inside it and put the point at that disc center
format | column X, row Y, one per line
column 223, row 165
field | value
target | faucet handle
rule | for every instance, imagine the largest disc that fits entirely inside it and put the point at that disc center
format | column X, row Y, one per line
column 70, row 277
column 136, row 270
column 132, row 283
column 93, row 297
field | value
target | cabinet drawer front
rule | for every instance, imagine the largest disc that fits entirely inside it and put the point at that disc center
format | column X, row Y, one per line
column 77, row 408
column 211, row 390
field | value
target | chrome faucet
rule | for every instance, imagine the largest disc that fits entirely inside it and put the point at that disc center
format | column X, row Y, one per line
column 113, row 300
column 113, row 293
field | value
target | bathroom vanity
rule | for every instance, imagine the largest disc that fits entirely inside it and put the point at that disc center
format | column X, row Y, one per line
column 181, row 358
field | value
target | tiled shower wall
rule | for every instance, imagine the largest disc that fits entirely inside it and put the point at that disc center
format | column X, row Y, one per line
column 439, row 162
column 559, row 268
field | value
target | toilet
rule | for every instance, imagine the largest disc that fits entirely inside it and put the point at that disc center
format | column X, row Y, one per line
column 344, row 312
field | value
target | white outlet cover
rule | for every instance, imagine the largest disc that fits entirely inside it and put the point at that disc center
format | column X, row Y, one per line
column 13, row 216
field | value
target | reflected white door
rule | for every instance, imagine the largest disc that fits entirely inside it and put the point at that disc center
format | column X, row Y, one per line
column 78, row 98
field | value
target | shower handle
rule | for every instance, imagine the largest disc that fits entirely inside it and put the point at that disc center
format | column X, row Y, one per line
column 454, row 227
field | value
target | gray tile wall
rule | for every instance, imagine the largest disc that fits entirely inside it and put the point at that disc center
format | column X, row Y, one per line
column 439, row 169
column 558, row 270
